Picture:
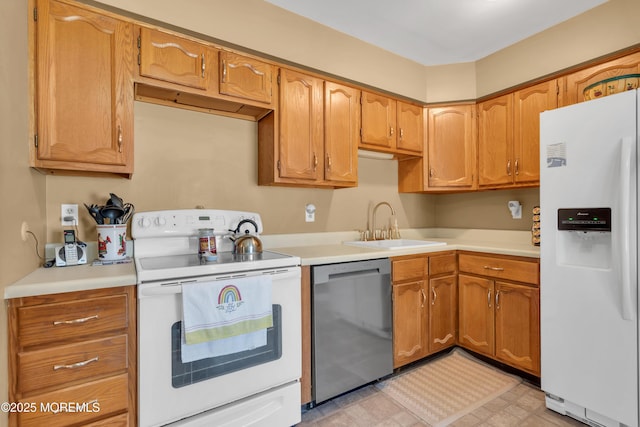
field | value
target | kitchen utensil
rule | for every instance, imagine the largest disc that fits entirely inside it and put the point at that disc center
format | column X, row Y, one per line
column 129, row 210
column 94, row 211
column 115, row 201
column 246, row 243
column 113, row 213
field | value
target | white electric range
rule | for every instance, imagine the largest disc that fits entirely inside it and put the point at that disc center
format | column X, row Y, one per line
column 259, row 386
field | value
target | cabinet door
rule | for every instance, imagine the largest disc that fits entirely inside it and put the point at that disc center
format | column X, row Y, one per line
column 495, row 142
column 451, row 154
column 245, row 77
column 410, row 127
column 410, row 307
column 476, row 316
column 341, row 132
column 85, row 90
column 442, row 312
column 378, row 121
column 529, row 103
column 175, row 59
column 577, row 82
column 300, row 149
column 517, row 311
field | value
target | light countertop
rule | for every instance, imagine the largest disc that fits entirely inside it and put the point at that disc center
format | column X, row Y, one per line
column 312, row 248
column 84, row 277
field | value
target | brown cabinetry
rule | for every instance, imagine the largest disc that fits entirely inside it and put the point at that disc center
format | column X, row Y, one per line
column 499, row 308
column 174, row 59
column 508, row 136
column 75, row 347
column 299, row 144
column 84, row 91
column 244, row 77
column 391, row 126
column 577, row 82
column 449, row 162
column 424, row 305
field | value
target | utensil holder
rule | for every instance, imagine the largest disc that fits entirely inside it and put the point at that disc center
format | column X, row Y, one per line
column 112, row 241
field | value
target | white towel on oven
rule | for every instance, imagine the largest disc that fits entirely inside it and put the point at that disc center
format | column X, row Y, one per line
column 226, row 308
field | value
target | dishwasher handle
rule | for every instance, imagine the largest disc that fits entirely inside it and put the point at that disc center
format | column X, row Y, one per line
column 328, row 272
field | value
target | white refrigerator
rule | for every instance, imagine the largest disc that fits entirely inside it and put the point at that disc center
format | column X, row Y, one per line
column 589, row 258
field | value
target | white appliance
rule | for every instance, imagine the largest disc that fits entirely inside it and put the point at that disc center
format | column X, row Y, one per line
column 254, row 387
column 589, row 258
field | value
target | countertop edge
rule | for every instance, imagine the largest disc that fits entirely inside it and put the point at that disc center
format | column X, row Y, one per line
column 44, row 281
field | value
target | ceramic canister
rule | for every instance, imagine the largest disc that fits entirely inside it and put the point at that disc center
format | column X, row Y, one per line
column 112, row 241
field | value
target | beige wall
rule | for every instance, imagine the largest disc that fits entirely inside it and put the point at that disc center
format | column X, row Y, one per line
column 184, row 159
column 21, row 189
column 607, row 28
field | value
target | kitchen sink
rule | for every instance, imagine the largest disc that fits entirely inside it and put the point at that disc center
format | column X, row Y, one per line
column 394, row 244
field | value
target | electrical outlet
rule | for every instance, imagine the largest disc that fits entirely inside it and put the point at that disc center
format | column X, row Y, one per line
column 23, row 230
column 69, row 214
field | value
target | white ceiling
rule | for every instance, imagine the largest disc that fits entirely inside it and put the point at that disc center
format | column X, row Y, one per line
column 434, row 32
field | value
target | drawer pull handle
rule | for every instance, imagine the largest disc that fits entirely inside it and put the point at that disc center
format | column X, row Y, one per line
column 424, row 298
column 487, row 267
column 75, row 365
column 435, row 296
column 74, row 321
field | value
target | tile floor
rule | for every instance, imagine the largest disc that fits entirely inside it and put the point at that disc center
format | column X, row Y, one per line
column 523, row 406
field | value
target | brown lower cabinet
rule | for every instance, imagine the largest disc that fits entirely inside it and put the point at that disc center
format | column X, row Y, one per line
column 72, row 358
column 499, row 308
column 424, row 305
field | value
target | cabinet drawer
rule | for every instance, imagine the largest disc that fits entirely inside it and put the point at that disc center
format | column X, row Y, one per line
column 87, row 401
column 502, row 268
column 46, row 323
column 121, row 420
column 439, row 264
column 63, row 364
column 409, row 268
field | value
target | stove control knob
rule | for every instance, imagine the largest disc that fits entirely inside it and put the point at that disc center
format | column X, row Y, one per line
column 160, row 221
column 144, row 222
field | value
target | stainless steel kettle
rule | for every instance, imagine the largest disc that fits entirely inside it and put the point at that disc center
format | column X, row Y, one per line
column 246, row 243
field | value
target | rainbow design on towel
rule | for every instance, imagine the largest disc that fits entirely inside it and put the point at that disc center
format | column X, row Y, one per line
column 229, row 293
column 229, row 299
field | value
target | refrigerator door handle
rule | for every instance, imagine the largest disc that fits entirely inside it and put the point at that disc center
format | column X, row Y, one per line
column 626, row 159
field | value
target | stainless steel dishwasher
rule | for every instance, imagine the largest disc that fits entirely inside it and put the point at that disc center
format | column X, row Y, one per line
column 352, row 326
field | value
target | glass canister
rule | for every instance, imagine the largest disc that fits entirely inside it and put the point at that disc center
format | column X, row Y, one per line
column 207, row 239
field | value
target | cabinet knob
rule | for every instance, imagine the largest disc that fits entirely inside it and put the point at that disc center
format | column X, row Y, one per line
column 401, row 133
column 202, row 64
column 489, row 298
column 517, row 167
column 391, row 131
column 509, row 167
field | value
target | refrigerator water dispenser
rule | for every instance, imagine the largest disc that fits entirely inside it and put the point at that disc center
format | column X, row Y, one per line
column 586, row 237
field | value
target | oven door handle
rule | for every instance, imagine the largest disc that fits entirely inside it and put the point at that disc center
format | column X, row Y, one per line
column 175, row 288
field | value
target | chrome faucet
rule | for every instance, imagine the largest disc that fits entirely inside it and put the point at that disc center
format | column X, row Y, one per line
column 384, row 233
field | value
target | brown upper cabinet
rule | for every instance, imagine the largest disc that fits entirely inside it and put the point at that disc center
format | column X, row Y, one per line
column 508, row 136
column 391, row 126
column 244, row 77
column 84, row 91
column 449, row 163
column 341, row 133
column 174, row 59
column 299, row 144
column 576, row 83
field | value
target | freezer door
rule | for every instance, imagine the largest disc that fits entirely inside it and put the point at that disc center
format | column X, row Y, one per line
column 588, row 289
